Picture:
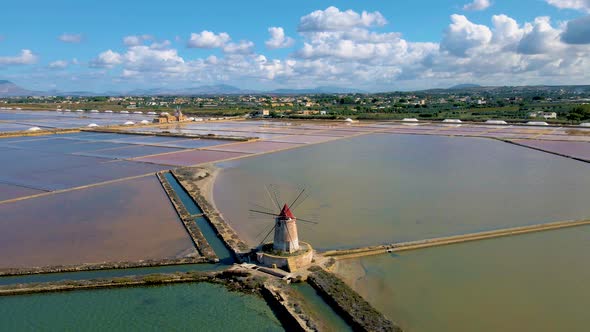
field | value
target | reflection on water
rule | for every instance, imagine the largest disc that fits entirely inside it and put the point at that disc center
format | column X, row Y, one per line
column 534, row 282
column 199, row 307
column 386, row 188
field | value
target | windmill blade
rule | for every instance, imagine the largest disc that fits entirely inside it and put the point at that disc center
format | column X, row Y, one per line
column 259, row 234
column 309, row 221
column 300, row 202
column 261, row 207
column 262, row 212
column 269, row 196
column 257, row 216
column 267, row 234
column 276, row 194
column 291, row 205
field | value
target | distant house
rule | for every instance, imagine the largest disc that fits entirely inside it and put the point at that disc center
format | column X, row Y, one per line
column 310, row 112
column 262, row 113
column 165, row 117
column 544, row 115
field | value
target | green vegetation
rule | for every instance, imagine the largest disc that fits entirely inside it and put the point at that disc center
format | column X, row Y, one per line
column 579, row 113
column 514, row 104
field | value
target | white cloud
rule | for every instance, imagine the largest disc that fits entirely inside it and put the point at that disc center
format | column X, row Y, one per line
column 243, row 47
column 356, row 52
column 332, row 19
column 145, row 58
column 506, row 32
column 142, row 59
column 583, row 5
column 577, row 31
column 540, row 38
column 208, row 39
column 107, row 59
column 135, row 40
column 278, row 38
column 59, row 64
column 463, row 35
column 160, row 45
column 477, row 5
column 26, row 57
column 72, row 38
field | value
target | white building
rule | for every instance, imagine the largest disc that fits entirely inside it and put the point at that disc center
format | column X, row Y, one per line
column 544, row 115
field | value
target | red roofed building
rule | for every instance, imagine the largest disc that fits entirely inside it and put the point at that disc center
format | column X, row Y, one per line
column 286, row 238
column 286, row 213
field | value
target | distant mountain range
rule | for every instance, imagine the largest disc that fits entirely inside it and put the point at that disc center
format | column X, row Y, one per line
column 464, row 86
column 9, row 89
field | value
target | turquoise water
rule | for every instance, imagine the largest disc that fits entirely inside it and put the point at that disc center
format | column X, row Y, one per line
column 180, row 307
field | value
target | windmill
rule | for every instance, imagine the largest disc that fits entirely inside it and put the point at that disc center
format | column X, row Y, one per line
column 286, row 238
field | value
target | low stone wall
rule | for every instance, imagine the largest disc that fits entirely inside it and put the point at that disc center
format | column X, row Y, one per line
column 189, row 178
column 101, row 266
column 189, row 223
column 291, row 262
column 42, row 132
column 427, row 243
column 348, row 303
column 543, row 150
column 124, row 130
column 235, row 280
column 288, row 308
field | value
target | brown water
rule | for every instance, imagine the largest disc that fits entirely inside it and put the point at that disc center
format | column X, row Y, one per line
column 535, row 282
column 384, row 188
column 125, row 221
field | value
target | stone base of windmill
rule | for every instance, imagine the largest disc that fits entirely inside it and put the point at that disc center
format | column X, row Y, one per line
column 288, row 262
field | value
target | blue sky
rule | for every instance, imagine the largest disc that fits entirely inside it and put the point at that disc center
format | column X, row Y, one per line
column 73, row 45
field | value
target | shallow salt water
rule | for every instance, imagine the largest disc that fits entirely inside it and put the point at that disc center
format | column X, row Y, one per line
column 124, row 221
column 534, row 282
column 383, row 188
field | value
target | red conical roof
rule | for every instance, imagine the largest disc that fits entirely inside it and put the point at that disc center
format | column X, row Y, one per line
column 286, row 213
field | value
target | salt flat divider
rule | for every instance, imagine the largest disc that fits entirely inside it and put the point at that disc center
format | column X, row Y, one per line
column 106, row 274
column 441, row 241
column 329, row 317
column 225, row 256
